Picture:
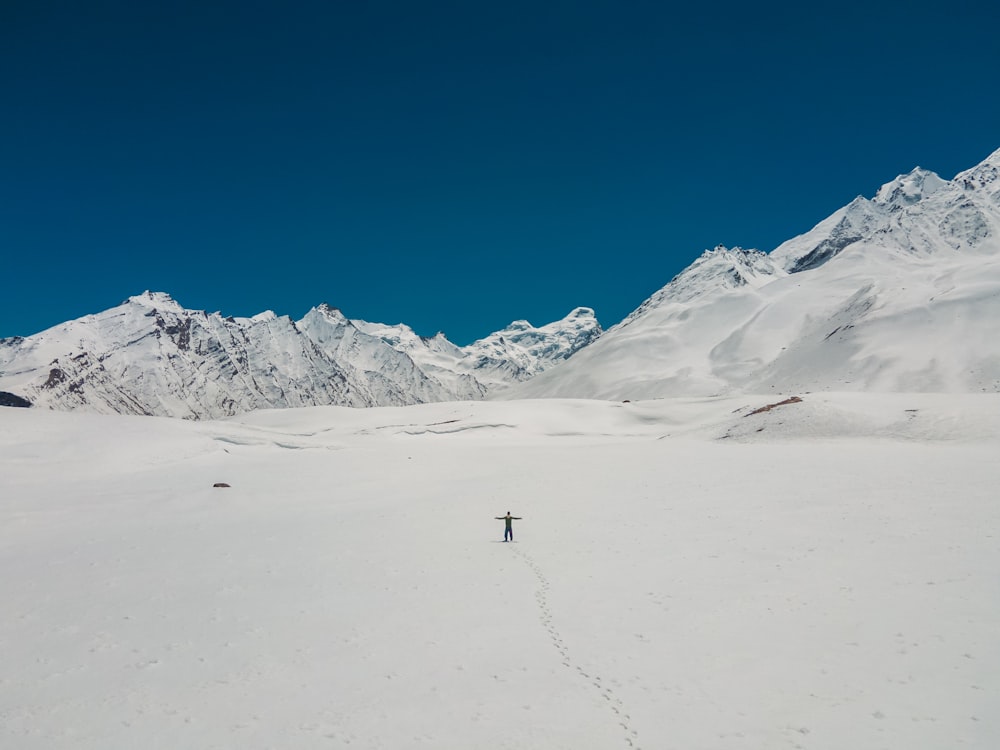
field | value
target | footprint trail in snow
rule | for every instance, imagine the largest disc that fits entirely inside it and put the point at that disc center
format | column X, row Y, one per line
column 545, row 614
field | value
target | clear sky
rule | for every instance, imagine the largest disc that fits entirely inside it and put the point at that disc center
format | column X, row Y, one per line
column 454, row 165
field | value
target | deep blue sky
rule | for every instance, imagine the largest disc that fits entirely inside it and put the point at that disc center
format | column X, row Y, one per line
column 453, row 165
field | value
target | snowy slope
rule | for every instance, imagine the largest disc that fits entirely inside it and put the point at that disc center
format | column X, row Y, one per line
column 897, row 293
column 151, row 356
column 687, row 574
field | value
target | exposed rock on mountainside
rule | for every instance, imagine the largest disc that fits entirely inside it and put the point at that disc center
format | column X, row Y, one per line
column 151, row 356
column 10, row 399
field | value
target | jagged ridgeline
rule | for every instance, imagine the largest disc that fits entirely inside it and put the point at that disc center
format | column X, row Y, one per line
column 151, row 356
column 900, row 292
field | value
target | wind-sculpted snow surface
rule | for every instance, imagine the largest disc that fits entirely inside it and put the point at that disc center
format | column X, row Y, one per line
column 747, row 572
column 151, row 356
column 897, row 293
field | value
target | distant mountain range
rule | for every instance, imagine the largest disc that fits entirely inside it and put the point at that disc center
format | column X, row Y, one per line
column 151, row 356
column 897, row 293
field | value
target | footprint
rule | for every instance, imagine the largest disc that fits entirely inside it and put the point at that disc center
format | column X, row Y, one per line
column 545, row 617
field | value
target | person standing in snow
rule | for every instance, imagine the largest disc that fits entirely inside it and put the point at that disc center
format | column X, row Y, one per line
column 508, row 530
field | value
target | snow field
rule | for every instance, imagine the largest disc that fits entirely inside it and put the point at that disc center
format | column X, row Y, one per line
column 679, row 580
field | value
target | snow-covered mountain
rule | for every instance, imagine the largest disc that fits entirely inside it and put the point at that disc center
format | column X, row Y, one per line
column 520, row 351
column 151, row 356
column 900, row 292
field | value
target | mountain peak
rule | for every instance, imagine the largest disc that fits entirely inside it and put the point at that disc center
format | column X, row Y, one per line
column 727, row 267
column 909, row 188
column 331, row 313
column 581, row 313
column 156, row 300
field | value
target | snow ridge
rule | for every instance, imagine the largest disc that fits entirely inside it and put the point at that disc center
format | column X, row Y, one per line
column 900, row 292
